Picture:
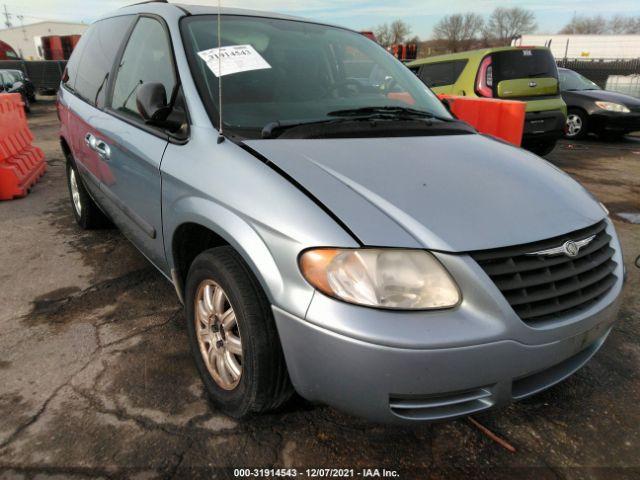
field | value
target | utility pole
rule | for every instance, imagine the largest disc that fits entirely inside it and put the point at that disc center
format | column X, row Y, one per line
column 7, row 17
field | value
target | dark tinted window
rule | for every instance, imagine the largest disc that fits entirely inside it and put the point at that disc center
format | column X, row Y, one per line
column 442, row 73
column 98, row 57
column 147, row 58
column 523, row 63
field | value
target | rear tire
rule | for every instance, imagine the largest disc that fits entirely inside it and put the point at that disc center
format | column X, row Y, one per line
column 261, row 382
column 577, row 124
column 87, row 214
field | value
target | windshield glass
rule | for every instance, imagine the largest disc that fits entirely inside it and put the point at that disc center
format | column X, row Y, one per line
column 311, row 72
column 570, row 80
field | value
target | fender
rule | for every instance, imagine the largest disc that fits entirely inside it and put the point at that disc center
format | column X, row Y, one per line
column 246, row 235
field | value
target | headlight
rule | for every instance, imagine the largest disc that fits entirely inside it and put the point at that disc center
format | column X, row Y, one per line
column 612, row 107
column 383, row 278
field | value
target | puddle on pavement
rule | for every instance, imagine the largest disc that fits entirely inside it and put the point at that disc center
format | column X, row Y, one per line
column 630, row 217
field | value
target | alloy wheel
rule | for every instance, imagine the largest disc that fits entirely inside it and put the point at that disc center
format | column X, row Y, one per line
column 574, row 125
column 75, row 192
column 218, row 335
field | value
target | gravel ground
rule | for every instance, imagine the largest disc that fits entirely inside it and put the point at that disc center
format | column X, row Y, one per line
column 96, row 380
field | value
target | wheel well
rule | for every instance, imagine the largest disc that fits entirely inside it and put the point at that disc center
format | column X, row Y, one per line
column 66, row 150
column 579, row 109
column 189, row 241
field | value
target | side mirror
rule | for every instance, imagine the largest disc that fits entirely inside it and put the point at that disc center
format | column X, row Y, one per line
column 151, row 101
column 15, row 87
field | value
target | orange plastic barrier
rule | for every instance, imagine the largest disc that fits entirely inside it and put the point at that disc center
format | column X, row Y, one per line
column 500, row 118
column 21, row 164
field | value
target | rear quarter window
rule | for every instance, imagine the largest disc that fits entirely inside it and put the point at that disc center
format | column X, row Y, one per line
column 441, row 73
column 94, row 68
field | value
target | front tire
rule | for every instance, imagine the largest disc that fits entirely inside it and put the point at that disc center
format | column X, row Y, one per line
column 233, row 336
column 87, row 214
column 577, row 124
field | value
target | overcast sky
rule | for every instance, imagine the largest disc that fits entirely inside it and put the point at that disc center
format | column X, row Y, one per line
column 357, row 14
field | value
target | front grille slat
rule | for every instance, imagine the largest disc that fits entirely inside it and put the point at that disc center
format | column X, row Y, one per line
column 541, row 288
column 574, row 301
column 525, row 263
column 550, row 274
column 591, row 277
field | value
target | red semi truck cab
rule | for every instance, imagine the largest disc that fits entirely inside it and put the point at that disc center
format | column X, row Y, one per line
column 7, row 53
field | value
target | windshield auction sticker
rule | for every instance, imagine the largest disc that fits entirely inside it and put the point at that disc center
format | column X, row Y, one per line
column 234, row 59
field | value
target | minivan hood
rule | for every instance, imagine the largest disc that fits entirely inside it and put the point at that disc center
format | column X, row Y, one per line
column 450, row 193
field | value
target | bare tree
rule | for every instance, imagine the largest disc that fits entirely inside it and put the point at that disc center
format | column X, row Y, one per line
column 393, row 33
column 399, row 31
column 506, row 23
column 458, row 30
column 383, row 34
column 621, row 25
column 580, row 24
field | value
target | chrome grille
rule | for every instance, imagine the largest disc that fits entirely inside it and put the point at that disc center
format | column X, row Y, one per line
column 541, row 288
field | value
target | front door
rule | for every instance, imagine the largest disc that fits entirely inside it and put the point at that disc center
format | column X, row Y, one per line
column 133, row 150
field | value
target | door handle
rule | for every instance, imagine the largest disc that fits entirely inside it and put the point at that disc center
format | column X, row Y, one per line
column 99, row 146
column 90, row 140
column 103, row 149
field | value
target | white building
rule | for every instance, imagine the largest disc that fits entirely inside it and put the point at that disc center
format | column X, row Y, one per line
column 586, row 46
column 25, row 40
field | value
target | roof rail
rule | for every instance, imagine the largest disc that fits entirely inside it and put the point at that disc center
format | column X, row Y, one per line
column 147, row 1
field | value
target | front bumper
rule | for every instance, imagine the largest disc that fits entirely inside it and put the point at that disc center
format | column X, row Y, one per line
column 399, row 367
column 613, row 122
column 394, row 385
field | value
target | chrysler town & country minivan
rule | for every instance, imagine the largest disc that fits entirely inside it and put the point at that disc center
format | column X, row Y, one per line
column 329, row 227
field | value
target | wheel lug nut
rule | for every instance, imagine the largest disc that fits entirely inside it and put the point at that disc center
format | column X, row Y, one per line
column 215, row 328
column 219, row 343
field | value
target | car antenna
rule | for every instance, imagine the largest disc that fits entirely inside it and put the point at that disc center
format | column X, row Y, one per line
column 221, row 133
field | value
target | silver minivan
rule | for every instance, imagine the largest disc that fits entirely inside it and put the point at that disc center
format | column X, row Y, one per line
column 330, row 228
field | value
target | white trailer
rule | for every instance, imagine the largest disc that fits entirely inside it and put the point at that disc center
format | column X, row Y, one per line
column 612, row 47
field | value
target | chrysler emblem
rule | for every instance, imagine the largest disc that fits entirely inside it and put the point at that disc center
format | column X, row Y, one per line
column 568, row 248
column 571, row 249
column 533, row 84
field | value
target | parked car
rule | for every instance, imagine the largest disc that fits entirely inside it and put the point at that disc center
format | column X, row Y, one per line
column 10, row 84
column 19, row 76
column 594, row 110
column 514, row 73
column 325, row 237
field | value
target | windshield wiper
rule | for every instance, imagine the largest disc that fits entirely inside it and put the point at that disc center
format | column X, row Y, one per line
column 539, row 74
column 273, row 129
column 269, row 130
column 388, row 112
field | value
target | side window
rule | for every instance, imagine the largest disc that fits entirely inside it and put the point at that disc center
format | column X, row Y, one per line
column 98, row 57
column 147, row 58
column 71, row 71
column 442, row 73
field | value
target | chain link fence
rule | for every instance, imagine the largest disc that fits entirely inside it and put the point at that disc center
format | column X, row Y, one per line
column 45, row 74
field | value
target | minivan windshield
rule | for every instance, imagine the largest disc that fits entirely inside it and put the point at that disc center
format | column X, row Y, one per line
column 573, row 81
column 309, row 74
